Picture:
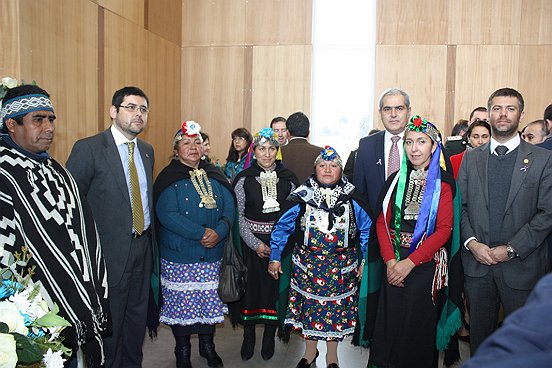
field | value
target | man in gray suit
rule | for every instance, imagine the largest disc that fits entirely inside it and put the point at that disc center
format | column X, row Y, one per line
column 506, row 188
column 114, row 170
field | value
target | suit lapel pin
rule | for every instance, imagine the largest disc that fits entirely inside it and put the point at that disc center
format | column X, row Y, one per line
column 525, row 167
column 379, row 162
column 147, row 155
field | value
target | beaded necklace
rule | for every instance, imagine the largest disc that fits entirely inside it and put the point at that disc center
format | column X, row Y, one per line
column 415, row 194
column 203, row 187
column 268, row 181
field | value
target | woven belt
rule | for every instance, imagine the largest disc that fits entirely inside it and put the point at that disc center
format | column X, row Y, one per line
column 257, row 227
column 406, row 238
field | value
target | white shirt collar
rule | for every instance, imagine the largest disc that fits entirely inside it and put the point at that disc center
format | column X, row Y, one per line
column 512, row 144
column 119, row 137
column 388, row 135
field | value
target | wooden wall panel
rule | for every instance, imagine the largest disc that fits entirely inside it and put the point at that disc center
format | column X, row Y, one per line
column 132, row 10
column 165, row 19
column 125, row 55
column 163, row 87
column 213, row 92
column 137, row 57
column 536, row 27
column 9, row 39
column 281, row 82
column 62, row 58
column 210, row 23
column 412, row 22
column 278, row 22
column 480, row 70
column 535, row 79
column 420, row 71
column 481, row 22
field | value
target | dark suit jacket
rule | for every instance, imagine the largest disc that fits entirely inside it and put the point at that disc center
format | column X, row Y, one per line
column 527, row 218
column 525, row 338
column 369, row 171
column 96, row 165
column 546, row 144
column 298, row 156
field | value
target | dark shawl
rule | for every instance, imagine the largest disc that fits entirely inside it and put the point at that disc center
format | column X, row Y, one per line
column 174, row 172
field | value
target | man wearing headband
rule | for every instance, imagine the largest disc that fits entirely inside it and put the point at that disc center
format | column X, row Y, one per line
column 506, row 189
column 41, row 208
column 114, row 170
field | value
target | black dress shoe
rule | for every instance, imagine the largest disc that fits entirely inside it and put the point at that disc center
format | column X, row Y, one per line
column 333, row 365
column 304, row 363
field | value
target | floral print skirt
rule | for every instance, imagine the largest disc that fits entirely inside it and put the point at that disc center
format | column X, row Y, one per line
column 190, row 294
column 323, row 297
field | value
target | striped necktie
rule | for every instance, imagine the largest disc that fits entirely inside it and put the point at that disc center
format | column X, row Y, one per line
column 135, row 196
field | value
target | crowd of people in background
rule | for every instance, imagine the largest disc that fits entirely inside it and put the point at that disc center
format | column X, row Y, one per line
column 419, row 240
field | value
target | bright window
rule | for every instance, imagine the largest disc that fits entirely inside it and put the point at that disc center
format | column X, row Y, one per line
column 343, row 72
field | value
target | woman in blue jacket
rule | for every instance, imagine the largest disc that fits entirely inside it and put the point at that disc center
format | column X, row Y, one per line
column 195, row 206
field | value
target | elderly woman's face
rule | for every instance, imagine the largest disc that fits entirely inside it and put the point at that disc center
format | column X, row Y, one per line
column 266, row 155
column 418, row 147
column 189, row 151
column 328, row 172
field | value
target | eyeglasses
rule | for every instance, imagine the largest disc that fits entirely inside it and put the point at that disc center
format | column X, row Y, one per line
column 133, row 108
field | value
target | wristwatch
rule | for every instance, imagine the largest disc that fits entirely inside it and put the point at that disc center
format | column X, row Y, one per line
column 510, row 252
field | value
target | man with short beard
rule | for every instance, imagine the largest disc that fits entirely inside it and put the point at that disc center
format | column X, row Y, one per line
column 506, row 188
column 114, row 169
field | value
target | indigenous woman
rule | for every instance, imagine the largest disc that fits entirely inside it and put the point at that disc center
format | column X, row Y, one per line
column 195, row 207
column 237, row 153
column 259, row 190
column 323, row 227
column 413, row 229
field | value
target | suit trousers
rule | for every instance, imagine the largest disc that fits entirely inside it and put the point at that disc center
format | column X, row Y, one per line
column 128, row 301
column 485, row 294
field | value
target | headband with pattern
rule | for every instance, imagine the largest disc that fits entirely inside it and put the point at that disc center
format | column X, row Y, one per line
column 419, row 124
column 22, row 105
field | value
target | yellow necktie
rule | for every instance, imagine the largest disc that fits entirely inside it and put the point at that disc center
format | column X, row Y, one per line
column 135, row 197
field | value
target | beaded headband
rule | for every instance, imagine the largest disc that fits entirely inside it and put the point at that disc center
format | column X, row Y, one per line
column 266, row 135
column 22, row 105
column 419, row 124
column 329, row 154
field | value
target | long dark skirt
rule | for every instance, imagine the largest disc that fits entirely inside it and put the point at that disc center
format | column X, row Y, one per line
column 258, row 305
column 406, row 322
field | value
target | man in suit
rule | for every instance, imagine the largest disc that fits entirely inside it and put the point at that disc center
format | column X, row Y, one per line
column 379, row 155
column 299, row 155
column 114, row 170
column 506, row 188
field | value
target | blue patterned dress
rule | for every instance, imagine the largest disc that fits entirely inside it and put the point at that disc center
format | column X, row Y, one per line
column 323, row 292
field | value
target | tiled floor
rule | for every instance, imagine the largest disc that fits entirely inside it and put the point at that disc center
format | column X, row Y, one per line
column 160, row 353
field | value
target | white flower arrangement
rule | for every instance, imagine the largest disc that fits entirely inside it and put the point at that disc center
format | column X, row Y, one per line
column 29, row 326
column 5, row 84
